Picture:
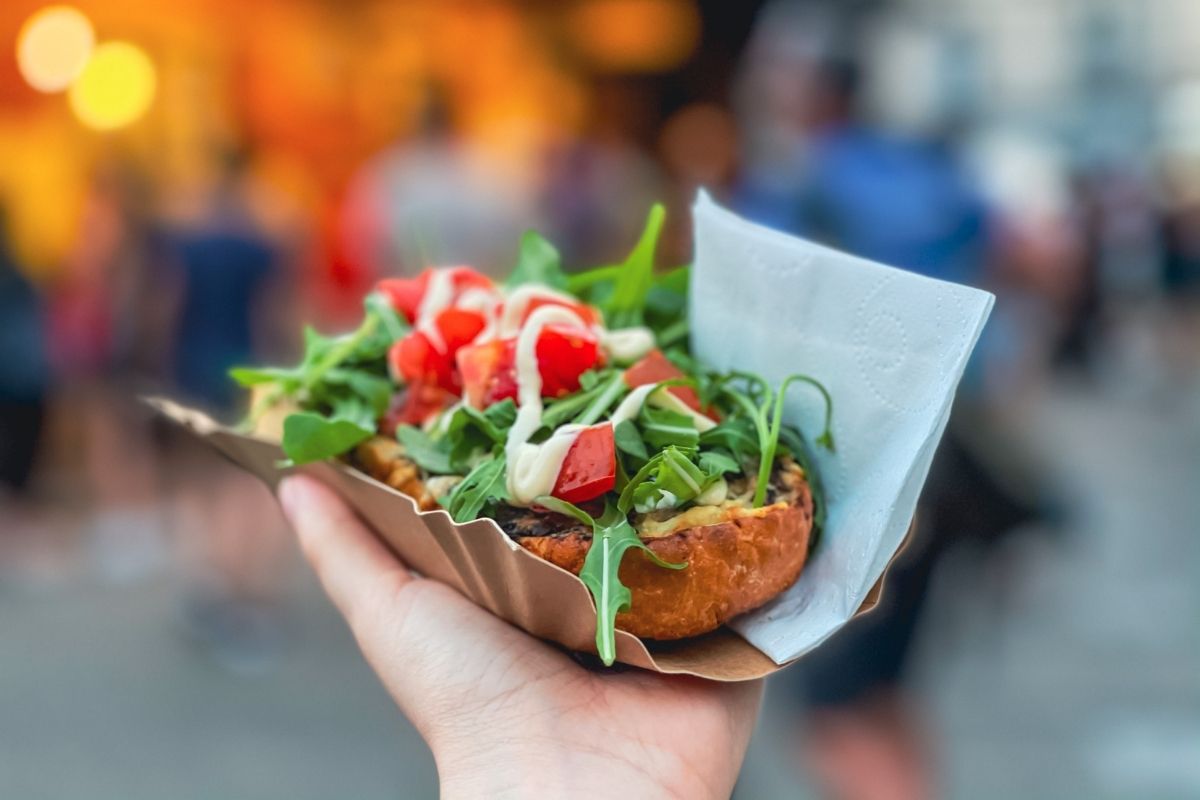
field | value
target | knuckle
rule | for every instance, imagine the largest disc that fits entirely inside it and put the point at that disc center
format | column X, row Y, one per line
column 384, row 601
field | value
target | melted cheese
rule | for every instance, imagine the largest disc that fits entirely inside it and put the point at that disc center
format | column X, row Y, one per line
column 655, row 524
column 713, row 495
column 533, row 468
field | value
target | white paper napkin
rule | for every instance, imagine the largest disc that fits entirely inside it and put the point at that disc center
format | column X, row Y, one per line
column 889, row 345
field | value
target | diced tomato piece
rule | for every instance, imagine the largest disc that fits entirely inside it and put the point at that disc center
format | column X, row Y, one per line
column 414, row 359
column 654, row 368
column 465, row 278
column 405, row 294
column 587, row 313
column 564, row 353
column 488, row 372
column 590, row 468
column 413, row 405
column 417, row 359
column 459, row 327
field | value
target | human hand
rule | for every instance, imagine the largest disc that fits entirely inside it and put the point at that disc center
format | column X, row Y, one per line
column 505, row 714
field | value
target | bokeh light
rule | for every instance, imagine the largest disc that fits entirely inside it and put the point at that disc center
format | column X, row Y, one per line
column 53, row 47
column 115, row 88
column 635, row 35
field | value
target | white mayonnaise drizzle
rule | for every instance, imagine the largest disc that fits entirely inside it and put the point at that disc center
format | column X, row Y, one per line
column 533, row 468
column 665, row 399
column 626, row 344
column 516, row 303
column 631, row 405
column 438, row 296
column 483, row 301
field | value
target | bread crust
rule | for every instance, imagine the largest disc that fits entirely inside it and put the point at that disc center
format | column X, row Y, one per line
column 383, row 459
column 734, row 566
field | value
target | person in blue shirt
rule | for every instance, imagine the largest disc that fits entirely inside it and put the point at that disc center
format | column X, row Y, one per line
column 24, row 370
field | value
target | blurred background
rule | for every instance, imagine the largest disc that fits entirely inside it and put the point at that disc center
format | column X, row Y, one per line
column 181, row 185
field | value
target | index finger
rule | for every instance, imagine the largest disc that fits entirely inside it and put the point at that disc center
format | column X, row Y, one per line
column 347, row 557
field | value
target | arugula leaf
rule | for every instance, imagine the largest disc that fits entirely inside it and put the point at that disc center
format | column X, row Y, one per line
column 493, row 423
column 797, row 447
column 718, row 462
column 394, row 325
column 375, row 390
column 625, row 500
column 673, row 334
column 612, row 536
column 471, row 431
column 559, row 411
column 629, row 441
column 635, row 276
column 585, row 284
column 675, row 482
column 353, row 408
column 483, row 485
column 329, row 353
column 766, row 411
column 538, row 261
column 589, row 379
column 607, row 393
column 675, row 281
column 431, row 455
column 254, row 376
column 735, row 434
column 772, row 443
column 662, row 427
column 666, row 308
column 312, row 437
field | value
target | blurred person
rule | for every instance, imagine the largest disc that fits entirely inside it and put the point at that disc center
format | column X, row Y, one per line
column 1178, row 263
column 596, row 186
column 101, row 336
column 507, row 715
column 907, row 202
column 24, row 373
column 1050, row 237
column 1180, row 277
column 437, row 199
column 698, row 144
column 227, row 276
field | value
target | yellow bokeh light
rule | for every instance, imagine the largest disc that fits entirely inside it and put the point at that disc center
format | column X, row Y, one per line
column 115, row 88
column 53, row 47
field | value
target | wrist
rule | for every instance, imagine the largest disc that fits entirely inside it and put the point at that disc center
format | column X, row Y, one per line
column 548, row 767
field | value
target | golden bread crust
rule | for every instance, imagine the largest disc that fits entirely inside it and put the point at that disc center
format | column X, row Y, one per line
column 383, row 459
column 734, row 566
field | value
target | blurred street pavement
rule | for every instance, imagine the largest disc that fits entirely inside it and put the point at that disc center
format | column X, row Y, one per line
column 1071, row 668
